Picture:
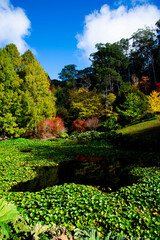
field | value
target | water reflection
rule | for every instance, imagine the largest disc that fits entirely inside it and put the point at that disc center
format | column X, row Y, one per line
column 88, row 170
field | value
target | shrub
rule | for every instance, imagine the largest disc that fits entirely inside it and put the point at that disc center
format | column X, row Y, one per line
column 92, row 123
column 79, row 125
column 111, row 123
column 52, row 127
column 88, row 136
column 58, row 126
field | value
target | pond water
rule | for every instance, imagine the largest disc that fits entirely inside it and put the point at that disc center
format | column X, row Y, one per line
column 107, row 175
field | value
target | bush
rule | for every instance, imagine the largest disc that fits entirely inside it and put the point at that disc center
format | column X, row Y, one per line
column 88, row 136
column 79, row 125
column 51, row 127
column 111, row 124
column 92, row 123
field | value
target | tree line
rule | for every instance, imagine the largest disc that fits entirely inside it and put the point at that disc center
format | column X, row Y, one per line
column 113, row 64
column 30, row 100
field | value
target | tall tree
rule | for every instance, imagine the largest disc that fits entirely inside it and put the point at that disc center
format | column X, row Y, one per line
column 142, row 54
column 39, row 101
column 14, row 54
column 108, row 62
column 10, row 97
column 69, row 75
column 85, row 78
column 157, row 52
column 158, row 30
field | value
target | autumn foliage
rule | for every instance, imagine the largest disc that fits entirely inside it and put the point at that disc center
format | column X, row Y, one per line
column 51, row 127
column 154, row 102
column 79, row 125
column 92, row 123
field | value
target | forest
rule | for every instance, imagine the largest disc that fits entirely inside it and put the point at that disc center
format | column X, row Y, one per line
column 80, row 155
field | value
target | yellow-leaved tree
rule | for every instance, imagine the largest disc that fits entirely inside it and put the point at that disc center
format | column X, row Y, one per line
column 87, row 103
column 154, row 102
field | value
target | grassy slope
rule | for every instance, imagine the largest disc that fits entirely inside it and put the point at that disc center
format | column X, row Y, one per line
column 145, row 128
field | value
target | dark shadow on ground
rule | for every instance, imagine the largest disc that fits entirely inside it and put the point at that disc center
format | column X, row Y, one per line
column 147, row 140
column 149, row 132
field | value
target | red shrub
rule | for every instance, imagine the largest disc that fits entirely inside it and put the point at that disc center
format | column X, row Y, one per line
column 51, row 127
column 92, row 123
column 79, row 125
column 58, row 126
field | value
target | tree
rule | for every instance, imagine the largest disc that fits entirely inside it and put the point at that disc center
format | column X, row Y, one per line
column 38, row 100
column 157, row 52
column 143, row 46
column 10, row 97
column 158, row 30
column 85, row 78
column 131, row 104
column 69, row 74
column 154, row 102
column 14, row 54
column 88, row 104
column 109, row 62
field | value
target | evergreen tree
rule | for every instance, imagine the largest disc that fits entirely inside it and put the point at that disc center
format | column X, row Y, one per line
column 38, row 100
column 10, row 97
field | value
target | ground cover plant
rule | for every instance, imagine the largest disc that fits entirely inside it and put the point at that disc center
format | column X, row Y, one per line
column 131, row 210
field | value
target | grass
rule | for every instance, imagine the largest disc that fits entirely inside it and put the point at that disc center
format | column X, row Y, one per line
column 145, row 128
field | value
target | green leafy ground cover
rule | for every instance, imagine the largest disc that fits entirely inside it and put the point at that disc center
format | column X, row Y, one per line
column 132, row 210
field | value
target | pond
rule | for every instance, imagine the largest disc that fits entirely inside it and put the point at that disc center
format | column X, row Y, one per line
column 107, row 175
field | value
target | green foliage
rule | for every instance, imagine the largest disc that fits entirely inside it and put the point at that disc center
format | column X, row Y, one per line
column 111, row 123
column 87, row 234
column 10, row 220
column 131, row 108
column 131, row 104
column 109, row 61
column 87, row 103
column 63, row 135
column 14, row 55
column 110, row 99
column 143, row 45
column 10, row 98
column 25, row 98
column 39, row 102
column 131, row 211
column 69, row 72
column 88, row 136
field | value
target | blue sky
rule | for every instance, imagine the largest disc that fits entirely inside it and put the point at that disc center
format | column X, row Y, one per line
column 65, row 32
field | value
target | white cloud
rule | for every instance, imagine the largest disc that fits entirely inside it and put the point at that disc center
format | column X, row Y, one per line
column 14, row 26
column 110, row 26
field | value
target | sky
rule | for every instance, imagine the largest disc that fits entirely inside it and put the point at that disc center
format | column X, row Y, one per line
column 61, row 32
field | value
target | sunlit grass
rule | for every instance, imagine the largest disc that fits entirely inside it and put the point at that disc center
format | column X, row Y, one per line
column 148, row 127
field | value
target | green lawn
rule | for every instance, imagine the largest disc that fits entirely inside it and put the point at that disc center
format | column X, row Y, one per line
column 145, row 128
